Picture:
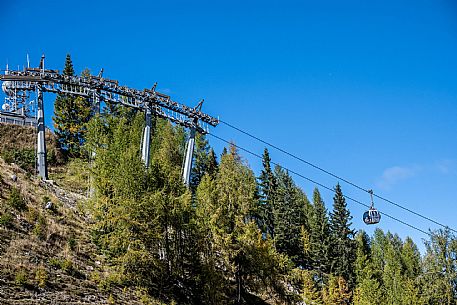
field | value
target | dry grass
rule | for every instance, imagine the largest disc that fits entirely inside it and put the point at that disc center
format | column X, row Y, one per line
column 46, row 255
column 22, row 137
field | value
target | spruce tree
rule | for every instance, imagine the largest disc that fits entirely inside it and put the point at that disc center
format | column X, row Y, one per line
column 290, row 217
column 439, row 280
column 200, row 161
column 368, row 288
column 267, row 188
column 342, row 243
column 235, row 247
column 71, row 115
column 392, row 274
column 212, row 164
column 319, row 235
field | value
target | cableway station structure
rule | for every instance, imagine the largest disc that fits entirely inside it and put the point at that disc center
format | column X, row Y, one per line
column 19, row 109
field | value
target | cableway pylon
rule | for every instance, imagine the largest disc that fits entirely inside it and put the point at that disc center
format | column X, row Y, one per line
column 18, row 83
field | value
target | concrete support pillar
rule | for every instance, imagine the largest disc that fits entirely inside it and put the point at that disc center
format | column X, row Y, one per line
column 41, row 143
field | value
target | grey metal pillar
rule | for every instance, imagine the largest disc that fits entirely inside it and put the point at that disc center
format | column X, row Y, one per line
column 41, row 143
column 146, row 138
column 189, row 156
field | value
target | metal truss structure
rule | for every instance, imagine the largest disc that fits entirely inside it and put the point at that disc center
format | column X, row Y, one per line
column 17, row 84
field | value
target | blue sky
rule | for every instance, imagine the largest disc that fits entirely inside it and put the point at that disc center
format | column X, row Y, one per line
column 365, row 90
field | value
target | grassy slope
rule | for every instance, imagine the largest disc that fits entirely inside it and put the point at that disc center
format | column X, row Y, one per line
column 46, row 255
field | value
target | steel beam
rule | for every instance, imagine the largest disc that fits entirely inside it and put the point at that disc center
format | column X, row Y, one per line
column 189, row 156
column 41, row 143
column 145, row 154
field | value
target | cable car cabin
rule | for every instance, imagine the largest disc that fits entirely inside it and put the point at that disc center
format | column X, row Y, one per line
column 372, row 216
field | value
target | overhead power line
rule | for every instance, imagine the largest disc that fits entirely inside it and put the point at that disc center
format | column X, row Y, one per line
column 335, row 176
column 319, row 184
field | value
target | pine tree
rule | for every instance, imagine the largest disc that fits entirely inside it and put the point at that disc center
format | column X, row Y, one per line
column 212, row 165
column 411, row 259
column 439, row 279
column 319, row 235
column 224, row 152
column 268, row 188
column 234, row 245
column 290, row 217
column 200, row 161
column 71, row 114
column 368, row 289
column 342, row 243
column 392, row 275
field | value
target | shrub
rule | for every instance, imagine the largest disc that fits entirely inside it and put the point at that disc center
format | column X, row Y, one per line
column 16, row 200
column 6, row 219
column 72, row 242
column 40, row 227
column 41, row 277
column 21, row 278
column 56, row 263
column 24, row 158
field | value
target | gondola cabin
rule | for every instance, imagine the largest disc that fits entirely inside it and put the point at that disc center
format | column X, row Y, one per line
column 372, row 216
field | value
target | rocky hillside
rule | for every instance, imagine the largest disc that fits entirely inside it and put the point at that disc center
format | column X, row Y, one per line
column 46, row 253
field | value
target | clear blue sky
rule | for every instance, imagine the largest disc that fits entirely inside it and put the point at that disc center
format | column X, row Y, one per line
column 366, row 90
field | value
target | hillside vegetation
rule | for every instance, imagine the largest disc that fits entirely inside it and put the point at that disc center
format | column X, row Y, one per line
column 109, row 230
column 143, row 237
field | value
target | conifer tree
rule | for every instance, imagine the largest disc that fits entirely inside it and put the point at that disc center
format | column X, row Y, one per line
column 439, row 279
column 342, row 243
column 236, row 249
column 319, row 235
column 268, row 188
column 368, row 289
column 212, row 164
column 290, row 217
column 224, row 152
column 411, row 259
column 71, row 114
column 392, row 275
column 201, row 161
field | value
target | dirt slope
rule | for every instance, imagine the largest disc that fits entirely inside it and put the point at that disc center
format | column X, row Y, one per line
column 46, row 255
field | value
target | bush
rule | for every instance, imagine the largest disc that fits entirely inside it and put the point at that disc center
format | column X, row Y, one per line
column 56, row 263
column 6, row 219
column 40, row 227
column 16, row 200
column 21, row 278
column 72, row 242
column 24, row 158
column 65, row 265
column 41, row 277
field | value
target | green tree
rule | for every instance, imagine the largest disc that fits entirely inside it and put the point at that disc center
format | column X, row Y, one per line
column 71, row 115
column 234, row 245
column 439, row 279
column 311, row 294
column 144, row 219
column 337, row 291
column 212, row 164
column 201, row 161
column 290, row 217
column 368, row 289
column 319, row 235
column 267, row 189
column 342, row 243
